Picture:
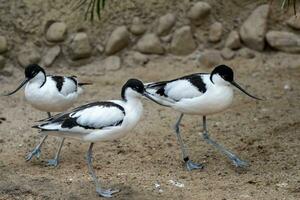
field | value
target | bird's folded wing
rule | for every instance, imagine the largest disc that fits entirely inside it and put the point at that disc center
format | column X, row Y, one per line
column 185, row 87
column 98, row 115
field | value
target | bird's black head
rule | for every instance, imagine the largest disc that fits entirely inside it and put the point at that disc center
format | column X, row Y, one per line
column 32, row 70
column 134, row 84
column 224, row 72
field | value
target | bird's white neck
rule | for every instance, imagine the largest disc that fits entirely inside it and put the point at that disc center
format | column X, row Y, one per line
column 39, row 79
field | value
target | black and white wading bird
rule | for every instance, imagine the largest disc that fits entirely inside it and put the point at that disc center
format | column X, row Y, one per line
column 50, row 94
column 99, row 121
column 198, row 94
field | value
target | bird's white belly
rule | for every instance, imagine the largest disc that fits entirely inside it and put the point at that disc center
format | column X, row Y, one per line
column 48, row 99
column 211, row 102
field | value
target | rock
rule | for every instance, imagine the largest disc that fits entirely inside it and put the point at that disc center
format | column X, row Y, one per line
column 246, row 53
column 287, row 87
column 233, row 41
column 215, row 32
column 294, row 21
column 150, row 44
column 2, row 62
column 100, row 48
column 8, row 70
column 253, row 30
column 3, row 44
column 51, row 55
column 198, row 12
column 80, row 46
column 210, row 58
column 136, row 59
column 284, row 41
column 167, row 38
column 137, row 27
column 118, row 40
column 140, row 58
column 112, row 63
column 183, row 42
column 56, row 32
column 28, row 55
column 165, row 24
column 227, row 53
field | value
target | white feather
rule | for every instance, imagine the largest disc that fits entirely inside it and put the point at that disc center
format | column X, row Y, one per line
column 48, row 98
column 181, row 89
column 98, row 117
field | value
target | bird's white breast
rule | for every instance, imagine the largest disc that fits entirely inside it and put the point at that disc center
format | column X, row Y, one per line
column 48, row 98
column 216, row 99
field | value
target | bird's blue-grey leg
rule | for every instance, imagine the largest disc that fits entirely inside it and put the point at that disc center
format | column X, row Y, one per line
column 37, row 150
column 54, row 162
column 235, row 159
column 99, row 190
column 188, row 163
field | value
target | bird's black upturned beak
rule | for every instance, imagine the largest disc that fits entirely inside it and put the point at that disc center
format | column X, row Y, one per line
column 20, row 86
column 240, row 88
column 146, row 94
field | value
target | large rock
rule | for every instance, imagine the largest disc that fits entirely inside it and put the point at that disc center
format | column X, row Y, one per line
column 254, row 28
column 233, row 41
column 56, row 32
column 50, row 56
column 198, row 12
column 150, row 44
column 3, row 44
column 215, row 32
column 183, row 42
column 80, row 46
column 294, row 21
column 284, row 41
column 137, row 27
column 118, row 40
column 165, row 24
column 28, row 55
column 112, row 63
column 210, row 58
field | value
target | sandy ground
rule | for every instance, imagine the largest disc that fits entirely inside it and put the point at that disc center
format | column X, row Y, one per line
column 265, row 133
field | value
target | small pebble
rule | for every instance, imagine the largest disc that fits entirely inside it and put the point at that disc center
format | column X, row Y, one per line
column 287, row 87
column 282, row 185
column 177, row 184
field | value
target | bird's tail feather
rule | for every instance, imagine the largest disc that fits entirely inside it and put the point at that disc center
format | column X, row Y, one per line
column 86, row 83
column 161, row 100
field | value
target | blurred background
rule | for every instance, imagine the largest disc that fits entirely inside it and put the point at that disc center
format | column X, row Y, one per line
column 108, row 42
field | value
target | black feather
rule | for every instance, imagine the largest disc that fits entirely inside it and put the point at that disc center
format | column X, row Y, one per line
column 59, row 81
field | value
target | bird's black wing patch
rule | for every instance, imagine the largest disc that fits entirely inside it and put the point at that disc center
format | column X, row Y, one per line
column 196, row 80
column 59, row 81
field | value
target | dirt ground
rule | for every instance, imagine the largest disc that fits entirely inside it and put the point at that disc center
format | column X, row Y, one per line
column 265, row 133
